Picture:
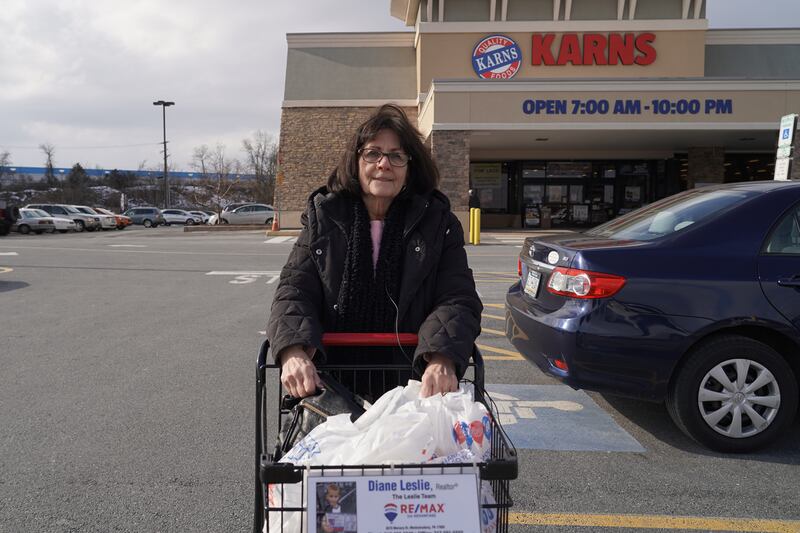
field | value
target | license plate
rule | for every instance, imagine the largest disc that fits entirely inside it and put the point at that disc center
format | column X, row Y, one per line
column 532, row 283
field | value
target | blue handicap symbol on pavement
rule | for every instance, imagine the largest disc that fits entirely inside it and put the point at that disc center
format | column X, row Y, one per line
column 556, row 417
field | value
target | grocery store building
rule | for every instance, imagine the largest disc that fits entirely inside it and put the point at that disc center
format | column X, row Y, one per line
column 586, row 108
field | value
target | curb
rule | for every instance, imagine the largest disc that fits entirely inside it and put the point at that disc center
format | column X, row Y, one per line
column 284, row 233
column 224, row 227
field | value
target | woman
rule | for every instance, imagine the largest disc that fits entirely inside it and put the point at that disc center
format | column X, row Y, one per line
column 380, row 251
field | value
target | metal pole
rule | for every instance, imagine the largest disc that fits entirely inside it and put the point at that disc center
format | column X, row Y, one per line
column 166, row 177
column 164, row 104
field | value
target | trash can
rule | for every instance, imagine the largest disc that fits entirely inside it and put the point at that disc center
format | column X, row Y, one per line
column 531, row 216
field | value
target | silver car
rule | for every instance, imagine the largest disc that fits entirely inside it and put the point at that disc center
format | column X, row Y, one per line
column 106, row 221
column 250, row 214
column 179, row 216
column 31, row 221
column 62, row 225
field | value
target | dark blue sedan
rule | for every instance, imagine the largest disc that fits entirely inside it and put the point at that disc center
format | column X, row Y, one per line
column 693, row 300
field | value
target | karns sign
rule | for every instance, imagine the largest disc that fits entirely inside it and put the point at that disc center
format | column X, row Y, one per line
column 593, row 49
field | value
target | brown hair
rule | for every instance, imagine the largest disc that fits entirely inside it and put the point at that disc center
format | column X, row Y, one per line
column 422, row 177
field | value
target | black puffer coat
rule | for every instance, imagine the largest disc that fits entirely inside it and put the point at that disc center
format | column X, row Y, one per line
column 437, row 291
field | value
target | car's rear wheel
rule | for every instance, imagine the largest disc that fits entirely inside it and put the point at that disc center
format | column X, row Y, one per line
column 734, row 394
column 24, row 229
column 147, row 223
column 189, row 222
column 269, row 221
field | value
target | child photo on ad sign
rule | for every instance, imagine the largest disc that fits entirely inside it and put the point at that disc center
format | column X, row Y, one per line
column 336, row 507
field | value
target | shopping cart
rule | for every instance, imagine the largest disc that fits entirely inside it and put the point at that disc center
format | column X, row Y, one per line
column 498, row 470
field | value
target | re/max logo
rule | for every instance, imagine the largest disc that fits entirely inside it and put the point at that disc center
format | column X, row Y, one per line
column 421, row 508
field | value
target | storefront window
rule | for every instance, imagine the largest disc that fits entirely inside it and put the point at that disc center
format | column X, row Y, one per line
column 490, row 181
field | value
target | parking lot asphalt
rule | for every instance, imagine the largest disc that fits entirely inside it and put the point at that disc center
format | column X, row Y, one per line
column 126, row 401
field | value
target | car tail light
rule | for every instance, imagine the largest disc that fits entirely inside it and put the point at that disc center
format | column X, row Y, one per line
column 583, row 284
column 559, row 364
column 519, row 267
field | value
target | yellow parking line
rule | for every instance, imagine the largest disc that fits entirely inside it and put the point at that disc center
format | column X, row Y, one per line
column 495, row 306
column 498, row 317
column 493, row 331
column 508, row 353
column 656, row 522
column 3, row 270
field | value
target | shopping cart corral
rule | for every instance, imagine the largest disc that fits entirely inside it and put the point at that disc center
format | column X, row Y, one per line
column 456, row 496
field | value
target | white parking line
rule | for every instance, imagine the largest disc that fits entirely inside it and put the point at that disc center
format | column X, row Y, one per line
column 9, row 253
column 278, row 240
column 242, row 278
column 127, row 245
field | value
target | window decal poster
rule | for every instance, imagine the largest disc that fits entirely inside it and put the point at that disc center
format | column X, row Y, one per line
column 385, row 504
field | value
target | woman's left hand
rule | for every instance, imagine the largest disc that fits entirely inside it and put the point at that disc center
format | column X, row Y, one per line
column 439, row 376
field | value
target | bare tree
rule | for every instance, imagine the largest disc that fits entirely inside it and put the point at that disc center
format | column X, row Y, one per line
column 220, row 177
column 201, row 157
column 262, row 160
column 5, row 163
column 49, row 174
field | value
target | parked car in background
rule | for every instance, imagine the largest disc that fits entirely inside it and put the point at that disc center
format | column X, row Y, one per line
column 203, row 216
column 231, row 207
column 82, row 221
column 62, row 225
column 149, row 217
column 31, row 221
column 121, row 220
column 213, row 219
column 250, row 214
column 693, row 300
column 180, row 216
column 8, row 215
column 106, row 221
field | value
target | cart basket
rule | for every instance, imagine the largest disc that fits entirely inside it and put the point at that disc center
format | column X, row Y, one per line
column 498, row 470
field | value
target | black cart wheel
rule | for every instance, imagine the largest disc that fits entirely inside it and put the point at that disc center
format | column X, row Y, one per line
column 734, row 394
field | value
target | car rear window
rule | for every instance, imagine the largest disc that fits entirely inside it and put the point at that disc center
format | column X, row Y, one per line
column 670, row 215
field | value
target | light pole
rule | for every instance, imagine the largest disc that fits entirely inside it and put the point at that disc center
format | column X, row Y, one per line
column 164, row 105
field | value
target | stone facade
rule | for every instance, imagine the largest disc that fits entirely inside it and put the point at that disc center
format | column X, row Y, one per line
column 450, row 150
column 312, row 140
column 706, row 165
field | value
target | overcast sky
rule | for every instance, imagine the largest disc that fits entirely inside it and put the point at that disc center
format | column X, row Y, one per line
column 82, row 74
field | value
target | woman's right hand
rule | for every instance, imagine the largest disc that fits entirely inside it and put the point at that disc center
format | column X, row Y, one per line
column 298, row 373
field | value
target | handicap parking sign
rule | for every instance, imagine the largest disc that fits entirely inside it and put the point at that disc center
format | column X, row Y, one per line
column 785, row 133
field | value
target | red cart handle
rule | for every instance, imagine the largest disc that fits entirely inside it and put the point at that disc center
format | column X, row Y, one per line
column 369, row 339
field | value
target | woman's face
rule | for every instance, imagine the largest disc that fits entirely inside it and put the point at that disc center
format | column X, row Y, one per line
column 381, row 179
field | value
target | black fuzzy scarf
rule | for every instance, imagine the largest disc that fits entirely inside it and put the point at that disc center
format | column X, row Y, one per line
column 368, row 295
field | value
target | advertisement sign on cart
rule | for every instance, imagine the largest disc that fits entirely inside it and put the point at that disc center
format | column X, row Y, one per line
column 384, row 503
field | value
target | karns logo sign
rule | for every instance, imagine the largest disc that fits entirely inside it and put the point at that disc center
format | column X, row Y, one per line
column 593, row 49
column 500, row 57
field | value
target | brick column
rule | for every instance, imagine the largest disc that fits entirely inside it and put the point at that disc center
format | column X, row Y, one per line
column 450, row 150
column 706, row 165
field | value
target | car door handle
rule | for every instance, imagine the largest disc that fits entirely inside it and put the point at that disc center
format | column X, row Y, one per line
column 794, row 281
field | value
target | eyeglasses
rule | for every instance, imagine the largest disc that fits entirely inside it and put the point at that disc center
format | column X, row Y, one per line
column 396, row 159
